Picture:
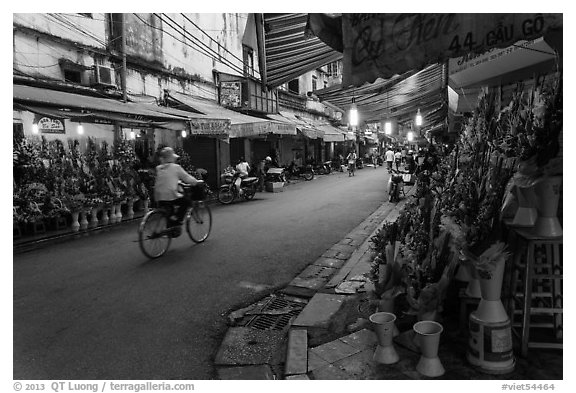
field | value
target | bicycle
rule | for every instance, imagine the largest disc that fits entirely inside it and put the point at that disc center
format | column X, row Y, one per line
column 154, row 234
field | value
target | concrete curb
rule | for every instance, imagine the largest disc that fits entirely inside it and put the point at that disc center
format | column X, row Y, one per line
column 297, row 347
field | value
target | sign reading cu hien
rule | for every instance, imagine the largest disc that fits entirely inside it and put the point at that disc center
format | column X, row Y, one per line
column 382, row 45
column 50, row 125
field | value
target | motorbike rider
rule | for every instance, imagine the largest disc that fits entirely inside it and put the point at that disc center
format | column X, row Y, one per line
column 351, row 158
column 243, row 168
column 166, row 192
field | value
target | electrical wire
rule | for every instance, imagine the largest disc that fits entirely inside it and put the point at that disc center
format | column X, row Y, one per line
column 216, row 56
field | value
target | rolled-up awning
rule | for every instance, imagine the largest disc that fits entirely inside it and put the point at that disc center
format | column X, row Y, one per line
column 289, row 51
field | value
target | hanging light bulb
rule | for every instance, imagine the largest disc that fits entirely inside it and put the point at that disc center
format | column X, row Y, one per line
column 132, row 135
column 80, row 129
column 388, row 127
column 410, row 136
column 418, row 118
column 184, row 133
column 35, row 129
column 353, row 117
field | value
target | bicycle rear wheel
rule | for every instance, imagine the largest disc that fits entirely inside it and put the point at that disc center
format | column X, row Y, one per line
column 199, row 222
column 153, row 235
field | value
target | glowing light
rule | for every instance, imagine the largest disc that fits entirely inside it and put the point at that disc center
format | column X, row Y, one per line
column 418, row 118
column 388, row 128
column 132, row 135
column 410, row 136
column 80, row 129
column 184, row 133
column 353, row 117
column 35, row 129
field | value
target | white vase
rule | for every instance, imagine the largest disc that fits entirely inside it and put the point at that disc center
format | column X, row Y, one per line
column 385, row 352
column 75, row 223
column 130, row 210
column 548, row 192
column 83, row 221
column 105, row 219
column 113, row 214
column 491, row 309
column 526, row 214
column 473, row 289
column 94, row 218
column 118, row 213
column 428, row 333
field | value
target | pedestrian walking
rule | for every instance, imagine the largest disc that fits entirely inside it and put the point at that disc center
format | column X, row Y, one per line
column 398, row 159
column 389, row 155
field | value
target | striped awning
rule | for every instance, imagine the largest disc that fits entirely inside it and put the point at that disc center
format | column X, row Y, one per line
column 290, row 51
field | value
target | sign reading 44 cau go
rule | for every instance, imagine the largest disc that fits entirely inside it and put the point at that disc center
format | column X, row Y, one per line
column 49, row 125
column 382, row 45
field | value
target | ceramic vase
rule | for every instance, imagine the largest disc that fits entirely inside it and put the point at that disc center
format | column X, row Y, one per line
column 83, row 220
column 526, row 214
column 387, row 305
column 130, row 210
column 548, row 192
column 428, row 333
column 75, row 223
column 94, row 218
column 491, row 308
column 105, row 218
column 385, row 352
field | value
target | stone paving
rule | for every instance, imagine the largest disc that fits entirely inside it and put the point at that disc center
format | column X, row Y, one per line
column 331, row 338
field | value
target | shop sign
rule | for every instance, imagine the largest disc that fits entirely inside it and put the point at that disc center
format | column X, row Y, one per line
column 209, row 127
column 383, row 45
column 231, row 94
column 50, row 125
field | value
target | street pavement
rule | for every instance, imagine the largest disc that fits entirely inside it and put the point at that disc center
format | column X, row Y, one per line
column 96, row 308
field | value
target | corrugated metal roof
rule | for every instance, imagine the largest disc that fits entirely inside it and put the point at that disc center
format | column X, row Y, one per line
column 290, row 52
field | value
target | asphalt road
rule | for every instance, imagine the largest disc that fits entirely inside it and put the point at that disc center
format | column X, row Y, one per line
column 96, row 308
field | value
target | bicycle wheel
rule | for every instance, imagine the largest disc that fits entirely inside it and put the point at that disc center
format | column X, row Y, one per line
column 153, row 236
column 199, row 222
column 308, row 176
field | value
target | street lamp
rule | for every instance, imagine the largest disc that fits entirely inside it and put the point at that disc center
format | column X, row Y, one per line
column 184, row 133
column 418, row 118
column 353, row 116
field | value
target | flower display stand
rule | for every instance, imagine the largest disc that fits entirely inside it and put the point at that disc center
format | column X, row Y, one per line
column 130, row 209
column 105, row 219
column 94, row 218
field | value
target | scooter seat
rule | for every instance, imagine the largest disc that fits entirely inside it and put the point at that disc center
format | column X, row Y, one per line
column 249, row 179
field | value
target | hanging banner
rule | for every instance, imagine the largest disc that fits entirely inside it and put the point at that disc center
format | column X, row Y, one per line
column 383, row 45
column 49, row 125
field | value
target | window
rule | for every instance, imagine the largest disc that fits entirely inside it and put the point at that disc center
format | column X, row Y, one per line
column 314, row 82
column 294, row 86
column 72, row 76
column 332, row 69
column 248, row 58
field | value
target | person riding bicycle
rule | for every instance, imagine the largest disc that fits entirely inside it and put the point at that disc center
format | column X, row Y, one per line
column 166, row 193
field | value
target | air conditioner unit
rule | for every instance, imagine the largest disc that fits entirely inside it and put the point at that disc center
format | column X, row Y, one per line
column 104, row 76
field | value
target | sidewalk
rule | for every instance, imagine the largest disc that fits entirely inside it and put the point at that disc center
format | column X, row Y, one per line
column 326, row 334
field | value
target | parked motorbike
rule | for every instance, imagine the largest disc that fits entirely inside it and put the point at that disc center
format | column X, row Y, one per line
column 294, row 172
column 380, row 160
column 229, row 191
column 359, row 163
column 275, row 174
column 395, row 185
column 337, row 165
column 323, row 169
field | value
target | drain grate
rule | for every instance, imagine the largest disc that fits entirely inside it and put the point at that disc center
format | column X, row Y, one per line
column 276, row 314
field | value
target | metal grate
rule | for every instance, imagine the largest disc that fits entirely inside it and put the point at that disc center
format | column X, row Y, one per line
column 276, row 314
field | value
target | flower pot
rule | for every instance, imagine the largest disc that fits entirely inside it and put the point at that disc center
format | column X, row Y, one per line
column 105, row 219
column 428, row 333
column 387, row 305
column 130, row 210
column 526, row 214
column 94, row 218
column 83, row 221
column 118, row 212
column 75, row 224
column 491, row 308
column 385, row 352
column 548, row 192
